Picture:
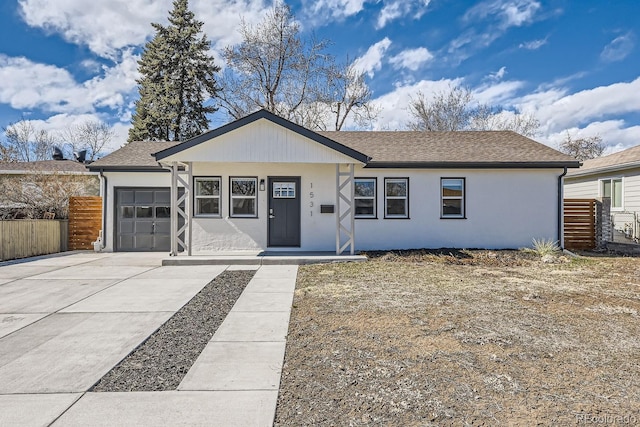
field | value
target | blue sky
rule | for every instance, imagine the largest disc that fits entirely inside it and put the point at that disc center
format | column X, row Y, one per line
column 575, row 65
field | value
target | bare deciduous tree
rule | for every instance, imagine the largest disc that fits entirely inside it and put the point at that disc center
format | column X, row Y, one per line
column 26, row 143
column 91, row 135
column 276, row 69
column 31, row 195
column 584, row 148
column 457, row 109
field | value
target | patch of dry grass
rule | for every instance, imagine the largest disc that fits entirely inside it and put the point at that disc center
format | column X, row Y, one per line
column 466, row 338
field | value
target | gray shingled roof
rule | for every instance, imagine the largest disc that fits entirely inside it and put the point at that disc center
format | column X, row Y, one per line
column 394, row 147
column 44, row 166
column 136, row 154
column 448, row 147
column 625, row 159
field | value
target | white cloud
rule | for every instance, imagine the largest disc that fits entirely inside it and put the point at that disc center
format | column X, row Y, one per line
column 499, row 94
column 371, row 61
column 619, row 48
column 533, row 44
column 411, row 59
column 58, row 123
column 27, row 85
column 336, row 9
column 497, row 17
column 508, row 13
column 558, row 111
column 108, row 26
column 498, row 75
column 400, row 8
column 614, row 134
column 395, row 104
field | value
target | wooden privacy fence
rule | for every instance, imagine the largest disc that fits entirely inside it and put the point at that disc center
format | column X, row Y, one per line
column 580, row 224
column 21, row 238
column 85, row 221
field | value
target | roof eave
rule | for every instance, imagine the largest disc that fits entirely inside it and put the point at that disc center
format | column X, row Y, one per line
column 472, row 165
column 604, row 169
column 132, row 168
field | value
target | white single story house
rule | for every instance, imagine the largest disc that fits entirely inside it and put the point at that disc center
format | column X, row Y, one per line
column 262, row 183
column 616, row 176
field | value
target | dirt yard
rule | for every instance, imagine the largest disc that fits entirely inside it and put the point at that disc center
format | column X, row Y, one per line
column 472, row 338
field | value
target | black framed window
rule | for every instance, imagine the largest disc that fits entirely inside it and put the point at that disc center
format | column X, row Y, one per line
column 244, row 200
column 365, row 197
column 452, row 195
column 207, row 196
column 396, row 197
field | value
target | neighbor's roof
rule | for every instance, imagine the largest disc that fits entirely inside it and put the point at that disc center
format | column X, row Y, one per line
column 134, row 155
column 629, row 158
column 465, row 148
column 408, row 149
column 62, row 166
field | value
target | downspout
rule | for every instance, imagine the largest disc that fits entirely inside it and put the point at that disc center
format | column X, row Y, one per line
column 560, row 210
column 103, row 181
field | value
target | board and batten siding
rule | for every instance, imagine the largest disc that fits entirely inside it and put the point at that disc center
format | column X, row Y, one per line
column 261, row 142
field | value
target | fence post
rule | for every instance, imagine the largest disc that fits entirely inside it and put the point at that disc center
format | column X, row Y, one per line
column 607, row 226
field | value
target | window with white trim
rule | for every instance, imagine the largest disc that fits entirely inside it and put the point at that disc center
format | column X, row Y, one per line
column 396, row 197
column 207, row 196
column 243, row 197
column 365, row 197
column 452, row 197
column 612, row 188
column 284, row 190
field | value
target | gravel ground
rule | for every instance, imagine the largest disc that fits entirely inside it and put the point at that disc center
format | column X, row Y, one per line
column 162, row 361
column 464, row 338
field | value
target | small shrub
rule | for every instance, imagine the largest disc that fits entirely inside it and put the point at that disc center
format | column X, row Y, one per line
column 544, row 247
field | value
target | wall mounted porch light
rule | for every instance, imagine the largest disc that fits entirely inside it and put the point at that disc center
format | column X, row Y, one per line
column 262, row 184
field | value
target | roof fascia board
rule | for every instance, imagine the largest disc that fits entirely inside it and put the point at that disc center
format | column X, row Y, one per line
column 128, row 169
column 40, row 172
column 263, row 114
column 470, row 165
column 605, row 169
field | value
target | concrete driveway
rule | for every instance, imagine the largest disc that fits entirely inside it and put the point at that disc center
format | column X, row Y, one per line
column 65, row 321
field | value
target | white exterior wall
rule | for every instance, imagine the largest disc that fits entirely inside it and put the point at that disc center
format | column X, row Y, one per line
column 229, row 234
column 504, row 208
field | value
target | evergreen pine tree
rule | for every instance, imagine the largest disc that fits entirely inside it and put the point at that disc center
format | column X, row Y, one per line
column 177, row 75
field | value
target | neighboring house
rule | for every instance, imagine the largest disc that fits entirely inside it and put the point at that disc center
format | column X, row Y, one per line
column 29, row 189
column 616, row 176
column 264, row 183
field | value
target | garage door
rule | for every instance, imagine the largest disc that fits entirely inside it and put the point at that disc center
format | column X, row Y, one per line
column 143, row 219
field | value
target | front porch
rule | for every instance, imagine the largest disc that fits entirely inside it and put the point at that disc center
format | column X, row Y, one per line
column 262, row 258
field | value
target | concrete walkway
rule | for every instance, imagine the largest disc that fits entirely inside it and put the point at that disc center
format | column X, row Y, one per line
column 66, row 321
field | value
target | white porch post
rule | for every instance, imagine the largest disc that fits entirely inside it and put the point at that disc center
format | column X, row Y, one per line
column 182, row 177
column 345, row 209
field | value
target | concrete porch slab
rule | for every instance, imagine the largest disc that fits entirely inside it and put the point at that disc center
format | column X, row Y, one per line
column 46, row 296
column 242, row 326
column 34, row 409
column 264, row 302
column 11, row 322
column 236, row 366
column 262, row 258
column 141, row 295
column 173, row 408
column 66, row 353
